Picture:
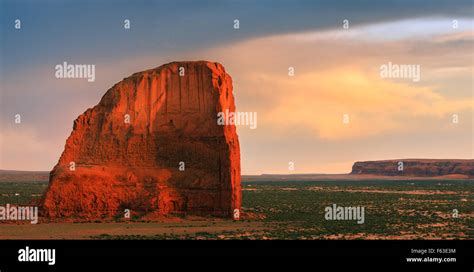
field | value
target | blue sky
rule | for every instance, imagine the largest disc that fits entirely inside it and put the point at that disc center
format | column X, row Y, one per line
column 92, row 29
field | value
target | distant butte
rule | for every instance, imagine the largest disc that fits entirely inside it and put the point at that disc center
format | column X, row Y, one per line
column 416, row 167
column 152, row 145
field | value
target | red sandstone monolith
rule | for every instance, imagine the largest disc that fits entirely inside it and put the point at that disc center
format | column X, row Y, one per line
column 152, row 144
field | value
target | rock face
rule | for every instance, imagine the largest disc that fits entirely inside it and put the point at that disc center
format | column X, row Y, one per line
column 415, row 167
column 152, row 144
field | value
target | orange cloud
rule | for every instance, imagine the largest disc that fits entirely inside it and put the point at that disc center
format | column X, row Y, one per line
column 319, row 100
column 336, row 75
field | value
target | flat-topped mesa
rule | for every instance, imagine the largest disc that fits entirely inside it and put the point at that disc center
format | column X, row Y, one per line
column 415, row 167
column 152, row 144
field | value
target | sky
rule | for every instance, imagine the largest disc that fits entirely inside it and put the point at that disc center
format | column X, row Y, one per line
column 300, row 117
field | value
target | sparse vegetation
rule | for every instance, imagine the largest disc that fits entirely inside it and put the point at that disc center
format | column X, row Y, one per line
column 295, row 210
column 21, row 193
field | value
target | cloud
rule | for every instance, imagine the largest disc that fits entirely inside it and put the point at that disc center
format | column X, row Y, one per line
column 21, row 148
column 337, row 75
column 413, row 28
column 374, row 106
